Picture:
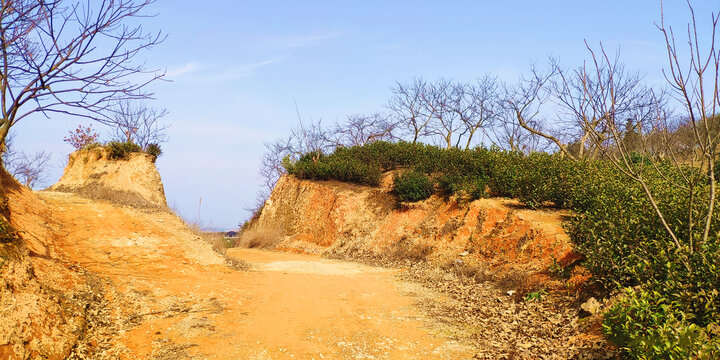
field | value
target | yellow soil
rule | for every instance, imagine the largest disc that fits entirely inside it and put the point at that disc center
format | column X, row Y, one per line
column 171, row 297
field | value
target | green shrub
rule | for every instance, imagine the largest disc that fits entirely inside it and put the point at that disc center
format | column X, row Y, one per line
column 473, row 187
column 119, row 150
column 92, row 145
column 413, row 186
column 153, row 150
column 341, row 166
column 648, row 325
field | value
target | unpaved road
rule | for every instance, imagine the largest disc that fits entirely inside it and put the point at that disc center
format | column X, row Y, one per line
column 168, row 296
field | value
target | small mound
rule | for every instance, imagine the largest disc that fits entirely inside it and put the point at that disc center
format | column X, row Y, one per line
column 133, row 181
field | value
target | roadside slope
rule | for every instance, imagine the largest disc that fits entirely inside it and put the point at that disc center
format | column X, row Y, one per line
column 506, row 274
column 46, row 303
column 353, row 221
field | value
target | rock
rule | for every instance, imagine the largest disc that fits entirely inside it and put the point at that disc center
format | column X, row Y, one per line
column 591, row 306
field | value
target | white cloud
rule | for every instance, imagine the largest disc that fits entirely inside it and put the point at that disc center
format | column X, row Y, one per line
column 180, row 70
column 308, row 39
column 217, row 73
column 242, row 70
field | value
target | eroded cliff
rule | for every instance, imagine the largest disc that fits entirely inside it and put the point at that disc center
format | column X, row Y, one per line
column 131, row 181
column 349, row 220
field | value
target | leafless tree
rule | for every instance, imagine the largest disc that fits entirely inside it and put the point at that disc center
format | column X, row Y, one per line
column 527, row 100
column 439, row 99
column 453, row 113
column 360, row 129
column 585, row 95
column 133, row 121
column 29, row 169
column 304, row 139
column 71, row 57
column 477, row 106
column 408, row 105
column 580, row 99
column 508, row 134
column 693, row 77
column 271, row 167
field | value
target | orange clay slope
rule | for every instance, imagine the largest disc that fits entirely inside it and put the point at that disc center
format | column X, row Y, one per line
column 353, row 221
column 97, row 279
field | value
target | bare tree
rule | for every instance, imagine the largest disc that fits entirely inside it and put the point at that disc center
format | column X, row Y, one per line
column 133, row 121
column 696, row 88
column 477, row 106
column 580, row 100
column 408, row 105
column 271, row 167
column 360, row 129
column 440, row 101
column 508, row 134
column 71, row 57
column 527, row 101
column 304, row 139
column 29, row 169
column 586, row 94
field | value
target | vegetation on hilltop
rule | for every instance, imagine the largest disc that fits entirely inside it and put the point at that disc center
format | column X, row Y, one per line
column 84, row 138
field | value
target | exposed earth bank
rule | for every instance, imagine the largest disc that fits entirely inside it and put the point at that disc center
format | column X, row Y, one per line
column 102, row 269
column 352, row 221
column 132, row 181
column 92, row 278
column 167, row 295
column 507, row 274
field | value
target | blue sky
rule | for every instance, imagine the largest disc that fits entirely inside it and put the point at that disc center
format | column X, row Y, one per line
column 236, row 69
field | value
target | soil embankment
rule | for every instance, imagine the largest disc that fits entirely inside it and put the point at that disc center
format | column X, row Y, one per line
column 45, row 302
column 132, row 181
column 353, row 221
column 504, row 273
column 115, row 279
column 101, row 279
column 169, row 296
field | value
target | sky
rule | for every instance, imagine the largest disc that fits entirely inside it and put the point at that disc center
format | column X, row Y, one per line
column 236, row 69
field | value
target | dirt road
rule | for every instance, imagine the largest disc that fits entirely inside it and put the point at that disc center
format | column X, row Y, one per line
column 169, row 296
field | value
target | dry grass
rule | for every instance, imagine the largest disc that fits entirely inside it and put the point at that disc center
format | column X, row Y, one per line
column 219, row 244
column 408, row 251
column 259, row 238
column 405, row 252
column 513, row 280
column 215, row 239
column 474, row 272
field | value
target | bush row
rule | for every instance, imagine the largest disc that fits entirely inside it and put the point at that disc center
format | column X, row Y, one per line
column 118, row 150
column 614, row 224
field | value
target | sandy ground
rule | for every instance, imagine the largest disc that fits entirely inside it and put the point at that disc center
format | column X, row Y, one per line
column 168, row 296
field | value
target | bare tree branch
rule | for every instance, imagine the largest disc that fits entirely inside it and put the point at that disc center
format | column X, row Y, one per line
column 71, row 57
column 133, row 121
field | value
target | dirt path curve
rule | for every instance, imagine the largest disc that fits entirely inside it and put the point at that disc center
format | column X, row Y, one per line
column 170, row 297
